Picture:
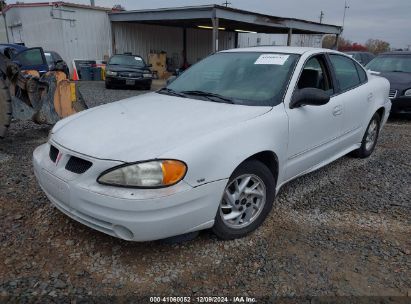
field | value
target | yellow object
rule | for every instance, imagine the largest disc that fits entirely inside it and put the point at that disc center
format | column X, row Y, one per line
column 73, row 92
column 63, row 98
column 158, row 62
column 173, row 171
column 103, row 73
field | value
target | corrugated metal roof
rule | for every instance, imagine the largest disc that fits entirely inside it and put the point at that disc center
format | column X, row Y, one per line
column 231, row 18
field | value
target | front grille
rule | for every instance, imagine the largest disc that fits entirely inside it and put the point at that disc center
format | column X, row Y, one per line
column 53, row 153
column 392, row 94
column 129, row 74
column 78, row 165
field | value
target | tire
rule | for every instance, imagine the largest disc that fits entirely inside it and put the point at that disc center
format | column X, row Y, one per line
column 5, row 108
column 370, row 138
column 108, row 86
column 247, row 204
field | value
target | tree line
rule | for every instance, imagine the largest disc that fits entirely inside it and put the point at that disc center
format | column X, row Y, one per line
column 375, row 46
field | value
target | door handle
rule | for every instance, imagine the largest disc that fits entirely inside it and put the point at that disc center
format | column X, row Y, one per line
column 370, row 97
column 337, row 110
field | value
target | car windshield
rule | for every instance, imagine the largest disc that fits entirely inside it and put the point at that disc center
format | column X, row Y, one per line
column 136, row 61
column 248, row 78
column 49, row 58
column 394, row 63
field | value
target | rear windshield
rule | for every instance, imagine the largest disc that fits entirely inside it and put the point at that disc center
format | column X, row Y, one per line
column 127, row 60
column 393, row 63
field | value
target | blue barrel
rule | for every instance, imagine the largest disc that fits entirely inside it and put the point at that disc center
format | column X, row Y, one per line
column 86, row 73
column 97, row 74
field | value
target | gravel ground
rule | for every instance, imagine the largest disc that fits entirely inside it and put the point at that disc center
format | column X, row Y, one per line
column 95, row 93
column 343, row 230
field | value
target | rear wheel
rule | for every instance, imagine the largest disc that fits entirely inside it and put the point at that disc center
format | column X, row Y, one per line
column 370, row 138
column 5, row 107
column 247, row 200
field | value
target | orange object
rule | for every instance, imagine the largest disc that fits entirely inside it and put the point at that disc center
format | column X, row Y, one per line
column 75, row 75
column 173, row 171
column 63, row 103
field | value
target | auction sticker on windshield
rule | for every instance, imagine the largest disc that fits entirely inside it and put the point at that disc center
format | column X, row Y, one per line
column 276, row 59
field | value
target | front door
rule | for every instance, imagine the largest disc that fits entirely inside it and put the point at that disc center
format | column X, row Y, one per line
column 313, row 130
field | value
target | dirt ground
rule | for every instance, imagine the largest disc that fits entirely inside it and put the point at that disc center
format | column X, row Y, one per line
column 344, row 230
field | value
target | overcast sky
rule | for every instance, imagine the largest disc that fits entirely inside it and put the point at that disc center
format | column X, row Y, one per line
column 389, row 20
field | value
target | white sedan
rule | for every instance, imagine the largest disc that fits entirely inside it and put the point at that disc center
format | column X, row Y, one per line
column 212, row 149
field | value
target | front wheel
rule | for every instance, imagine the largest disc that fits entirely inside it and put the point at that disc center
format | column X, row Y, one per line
column 370, row 138
column 247, row 200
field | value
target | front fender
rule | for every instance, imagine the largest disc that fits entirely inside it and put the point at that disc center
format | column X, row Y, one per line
column 216, row 155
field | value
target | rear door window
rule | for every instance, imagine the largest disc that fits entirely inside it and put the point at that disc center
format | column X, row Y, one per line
column 345, row 72
column 361, row 73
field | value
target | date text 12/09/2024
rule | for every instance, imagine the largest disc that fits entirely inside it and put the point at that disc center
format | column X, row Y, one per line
column 200, row 299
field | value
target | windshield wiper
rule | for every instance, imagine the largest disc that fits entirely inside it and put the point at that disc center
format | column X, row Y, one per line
column 209, row 96
column 171, row 92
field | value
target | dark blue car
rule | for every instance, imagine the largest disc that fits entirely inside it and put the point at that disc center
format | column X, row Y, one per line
column 26, row 58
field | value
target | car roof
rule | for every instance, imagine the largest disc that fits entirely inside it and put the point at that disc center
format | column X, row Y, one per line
column 131, row 55
column 281, row 49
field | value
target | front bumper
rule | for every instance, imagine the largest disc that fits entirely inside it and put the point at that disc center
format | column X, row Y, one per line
column 124, row 81
column 130, row 214
column 401, row 105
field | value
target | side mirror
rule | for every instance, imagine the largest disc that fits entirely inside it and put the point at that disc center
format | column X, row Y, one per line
column 310, row 97
column 373, row 72
column 171, row 79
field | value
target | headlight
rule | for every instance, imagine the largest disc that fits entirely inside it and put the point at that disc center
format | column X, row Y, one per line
column 147, row 75
column 111, row 73
column 407, row 92
column 150, row 174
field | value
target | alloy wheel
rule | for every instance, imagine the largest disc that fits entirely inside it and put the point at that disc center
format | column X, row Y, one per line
column 372, row 133
column 244, row 199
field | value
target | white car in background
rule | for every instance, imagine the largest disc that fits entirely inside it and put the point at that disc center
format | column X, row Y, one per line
column 212, row 149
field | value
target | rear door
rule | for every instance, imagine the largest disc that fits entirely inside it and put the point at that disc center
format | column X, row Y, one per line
column 313, row 130
column 354, row 95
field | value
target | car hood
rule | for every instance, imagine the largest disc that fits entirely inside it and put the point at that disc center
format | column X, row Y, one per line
column 398, row 80
column 146, row 126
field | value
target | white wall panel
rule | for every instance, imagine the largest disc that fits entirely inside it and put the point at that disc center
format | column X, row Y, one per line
column 199, row 43
column 142, row 39
column 85, row 36
column 247, row 40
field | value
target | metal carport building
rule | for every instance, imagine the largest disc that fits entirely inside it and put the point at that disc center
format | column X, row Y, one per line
column 191, row 33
